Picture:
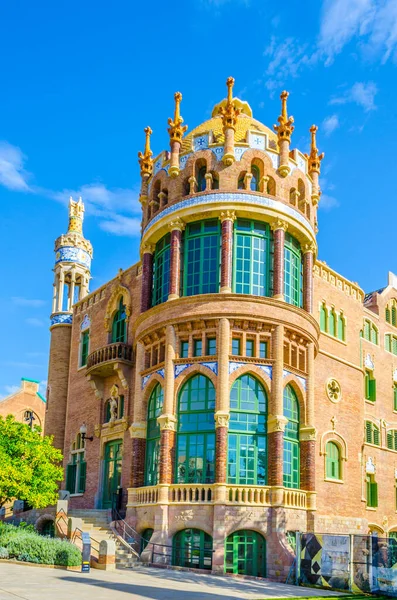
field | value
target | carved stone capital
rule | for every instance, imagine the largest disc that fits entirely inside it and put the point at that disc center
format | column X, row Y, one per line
column 307, row 433
column 176, row 224
column 147, row 249
column 311, row 247
column 276, row 423
column 279, row 224
column 222, row 418
column 138, row 430
column 227, row 215
column 96, row 384
column 167, row 422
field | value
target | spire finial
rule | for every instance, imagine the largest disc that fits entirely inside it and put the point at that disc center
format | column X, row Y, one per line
column 76, row 215
column 285, row 127
column 230, row 84
column 145, row 160
column 314, row 157
column 176, row 130
column 229, row 113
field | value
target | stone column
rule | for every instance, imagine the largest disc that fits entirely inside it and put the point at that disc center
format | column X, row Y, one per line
column 222, row 413
column 227, row 219
column 308, row 259
column 54, row 294
column 138, row 427
column 174, row 162
column 61, row 287
column 147, row 277
column 176, row 227
column 307, row 434
column 276, row 420
column 167, row 420
column 279, row 228
column 71, row 290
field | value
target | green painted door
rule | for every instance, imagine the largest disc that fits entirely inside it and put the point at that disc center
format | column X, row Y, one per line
column 245, row 553
column 112, row 471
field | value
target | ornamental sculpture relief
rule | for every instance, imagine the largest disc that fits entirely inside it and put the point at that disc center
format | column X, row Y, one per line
column 333, row 389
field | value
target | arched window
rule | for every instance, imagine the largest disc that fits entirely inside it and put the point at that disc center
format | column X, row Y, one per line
column 292, row 271
column 192, row 548
column 77, row 468
column 391, row 343
column 323, row 318
column 271, row 186
column 245, row 553
column 332, row 322
column 152, row 460
column 161, row 270
column 156, row 191
column 301, row 190
column 372, row 433
column 241, row 182
column 201, row 181
column 195, row 452
column 394, row 315
column 392, row 439
column 252, row 258
column 255, row 178
column 119, row 327
column 332, row 461
column 201, row 258
column 291, row 477
column 341, row 327
column 247, row 454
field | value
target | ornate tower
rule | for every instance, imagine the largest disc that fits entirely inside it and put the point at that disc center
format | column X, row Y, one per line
column 73, row 254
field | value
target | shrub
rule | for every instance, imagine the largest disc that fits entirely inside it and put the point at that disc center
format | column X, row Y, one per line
column 4, row 552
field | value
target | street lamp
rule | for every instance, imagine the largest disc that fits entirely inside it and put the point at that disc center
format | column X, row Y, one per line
column 83, row 431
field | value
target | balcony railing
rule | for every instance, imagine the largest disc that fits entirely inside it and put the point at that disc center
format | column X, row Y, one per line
column 101, row 359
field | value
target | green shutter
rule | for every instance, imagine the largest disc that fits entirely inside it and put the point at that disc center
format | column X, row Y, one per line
column 366, row 385
column 372, row 390
column 395, row 396
column 71, row 478
column 387, row 315
column 394, row 316
column 390, row 440
column 121, row 407
column 83, row 472
column 323, row 318
column 374, row 494
column 376, row 436
column 368, row 432
column 388, row 342
column 395, row 440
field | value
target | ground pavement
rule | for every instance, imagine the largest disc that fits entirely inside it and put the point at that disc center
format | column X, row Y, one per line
column 36, row 583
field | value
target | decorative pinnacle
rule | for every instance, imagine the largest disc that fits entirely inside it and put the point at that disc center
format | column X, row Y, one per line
column 229, row 112
column 314, row 157
column 76, row 215
column 285, row 127
column 176, row 130
column 145, row 160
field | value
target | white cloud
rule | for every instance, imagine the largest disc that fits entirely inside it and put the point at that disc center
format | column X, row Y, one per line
column 328, row 202
column 11, row 389
column 22, row 365
column 34, row 322
column 360, row 93
column 121, row 225
column 12, row 174
column 27, row 302
column 286, row 59
column 330, row 124
column 43, row 387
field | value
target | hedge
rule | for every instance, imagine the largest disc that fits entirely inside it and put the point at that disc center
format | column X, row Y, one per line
column 31, row 547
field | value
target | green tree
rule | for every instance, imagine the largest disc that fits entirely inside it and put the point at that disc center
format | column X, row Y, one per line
column 30, row 467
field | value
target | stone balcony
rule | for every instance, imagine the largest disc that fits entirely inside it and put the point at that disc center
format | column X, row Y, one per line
column 111, row 358
column 230, row 495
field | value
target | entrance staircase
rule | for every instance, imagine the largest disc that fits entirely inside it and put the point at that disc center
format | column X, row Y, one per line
column 97, row 524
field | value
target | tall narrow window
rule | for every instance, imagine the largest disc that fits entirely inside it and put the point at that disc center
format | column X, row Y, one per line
column 247, row 454
column 341, row 328
column 161, row 270
column 119, row 328
column 201, row 182
column 195, row 448
column 255, row 178
column 236, row 346
column 197, row 347
column 152, row 460
column 372, row 433
column 211, row 346
column 395, row 396
column 370, row 386
column 262, row 349
column 332, row 461
column 372, row 492
column 249, row 348
column 252, row 258
column 85, row 342
column 184, row 349
column 292, row 271
column 291, row 439
column 323, row 318
column 332, row 322
column 77, row 468
column 202, row 255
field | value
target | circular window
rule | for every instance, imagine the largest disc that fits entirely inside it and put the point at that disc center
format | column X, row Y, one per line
column 333, row 389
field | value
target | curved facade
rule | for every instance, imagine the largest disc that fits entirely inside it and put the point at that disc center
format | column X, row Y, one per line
column 220, row 376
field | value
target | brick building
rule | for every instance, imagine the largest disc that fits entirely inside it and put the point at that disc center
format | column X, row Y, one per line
column 234, row 387
column 26, row 404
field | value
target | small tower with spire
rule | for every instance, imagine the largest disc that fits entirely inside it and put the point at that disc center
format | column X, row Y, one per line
column 229, row 114
column 146, row 163
column 176, row 131
column 73, row 254
column 314, row 162
column 284, row 130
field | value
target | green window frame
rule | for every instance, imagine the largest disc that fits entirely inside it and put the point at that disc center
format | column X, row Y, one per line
column 291, row 455
column 252, row 258
column 323, row 318
column 292, row 271
column 370, row 386
column 161, row 270
column 249, row 348
column 184, row 352
column 372, row 433
column 395, row 396
column 152, row 457
column 370, row 332
column 197, row 347
column 145, row 537
column 247, row 437
column 236, row 346
column 332, row 461
column 254, row 184
column 192, row 548
column 211, row 346
column 372, row 492
column 387, row 315
column 195, row 444
column 76, row 472
column 85, row 343
column 201, row 258
column 341, row 328
column 119, row 326
column 391, row 438
column 332, row 322
column 394, row 316
column 391, row 343
column 262, row 349
column 245, row 553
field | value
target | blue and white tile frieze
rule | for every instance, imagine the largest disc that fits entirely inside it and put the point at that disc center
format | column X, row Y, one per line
column 233, row 198
column 266, row 369
column 200, row 142
column 218, row 151
column 233, row 366
column 301, row 380
column 183, row 160
column 146, row 378
column 158, row 165
column 180, row 368
column 212, row 366
column 62, row 319
column 274, row 158
column 160, row 372
column 72, row 254
column 85, row 323
column 238, row 152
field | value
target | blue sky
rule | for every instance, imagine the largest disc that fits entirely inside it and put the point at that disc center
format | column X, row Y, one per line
column 80, row 81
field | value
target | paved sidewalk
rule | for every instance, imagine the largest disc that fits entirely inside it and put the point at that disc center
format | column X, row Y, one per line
column 35, row 583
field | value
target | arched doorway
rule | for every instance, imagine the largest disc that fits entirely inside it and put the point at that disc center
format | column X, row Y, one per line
column 245, row 553
column 192, row 548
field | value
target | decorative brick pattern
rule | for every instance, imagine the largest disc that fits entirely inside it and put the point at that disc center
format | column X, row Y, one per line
column 138, row 462
column 278, row 268
column 308, row 281
column 275, row 442
column 226, row 256
column 308, row 465
column 221, row 454
column 167, row 456
column 175, row 262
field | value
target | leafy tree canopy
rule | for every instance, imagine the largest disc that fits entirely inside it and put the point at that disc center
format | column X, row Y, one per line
column 30, row 467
